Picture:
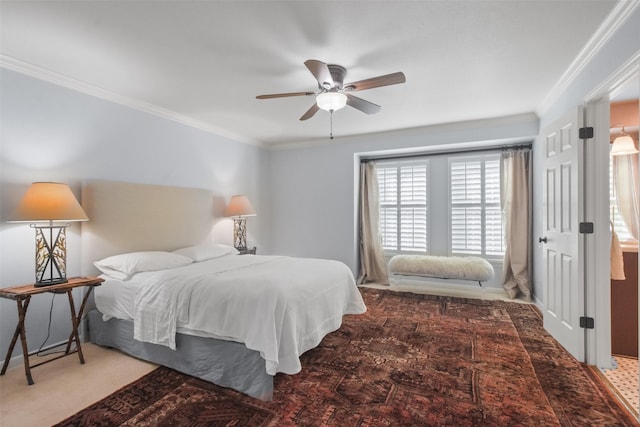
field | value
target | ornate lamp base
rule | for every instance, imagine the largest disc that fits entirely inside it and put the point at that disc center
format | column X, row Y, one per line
column 240, row 233
column 51, row 255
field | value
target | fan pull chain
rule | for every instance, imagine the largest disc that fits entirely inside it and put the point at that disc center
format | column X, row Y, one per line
column 331, row 123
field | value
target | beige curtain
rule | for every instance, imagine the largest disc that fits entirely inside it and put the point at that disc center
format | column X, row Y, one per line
column 625, row 175
column 372, row 265
column 616, row 258
column 515, row 199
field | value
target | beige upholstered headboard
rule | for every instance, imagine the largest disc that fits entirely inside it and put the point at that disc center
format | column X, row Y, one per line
column 126, row 217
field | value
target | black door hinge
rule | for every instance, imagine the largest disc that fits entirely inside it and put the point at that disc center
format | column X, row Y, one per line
column 586, row 228
column 587, row 322
column 585, row 133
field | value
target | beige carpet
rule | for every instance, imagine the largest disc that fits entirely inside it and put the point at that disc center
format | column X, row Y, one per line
column 64, row 387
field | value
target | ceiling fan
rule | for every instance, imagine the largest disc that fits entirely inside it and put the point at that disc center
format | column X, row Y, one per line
column 333, row 94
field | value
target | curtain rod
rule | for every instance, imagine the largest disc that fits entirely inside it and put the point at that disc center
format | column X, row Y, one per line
column 527, row 145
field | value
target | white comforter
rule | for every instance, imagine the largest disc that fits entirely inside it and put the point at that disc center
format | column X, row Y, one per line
column 279, row 306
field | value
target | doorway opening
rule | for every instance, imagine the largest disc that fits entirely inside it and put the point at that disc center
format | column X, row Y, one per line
column 623, row 188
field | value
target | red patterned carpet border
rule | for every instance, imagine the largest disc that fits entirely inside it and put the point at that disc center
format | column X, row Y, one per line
column 411, row 360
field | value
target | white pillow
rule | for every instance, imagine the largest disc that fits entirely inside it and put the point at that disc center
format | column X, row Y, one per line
column 124, row 266
column 206, row 251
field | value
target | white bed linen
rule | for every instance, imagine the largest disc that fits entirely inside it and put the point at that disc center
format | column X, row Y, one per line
column 278, row 306
column 116, row 298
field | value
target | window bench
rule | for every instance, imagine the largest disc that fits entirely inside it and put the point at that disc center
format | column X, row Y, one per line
column 442, row 267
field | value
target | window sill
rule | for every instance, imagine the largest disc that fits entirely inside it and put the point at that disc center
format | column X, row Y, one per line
column 629, row 246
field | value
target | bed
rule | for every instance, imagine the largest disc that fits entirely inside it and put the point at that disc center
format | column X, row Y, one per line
column 234, row 320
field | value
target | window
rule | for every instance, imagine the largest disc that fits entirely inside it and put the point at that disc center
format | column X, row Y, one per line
column 459, row 190
column 475, row 213
column 402, row 187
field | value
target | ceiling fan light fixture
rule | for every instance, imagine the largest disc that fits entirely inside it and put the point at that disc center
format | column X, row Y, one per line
column 331, row 101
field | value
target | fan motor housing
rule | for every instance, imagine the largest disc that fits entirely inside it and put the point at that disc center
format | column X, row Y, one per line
column 337, row 74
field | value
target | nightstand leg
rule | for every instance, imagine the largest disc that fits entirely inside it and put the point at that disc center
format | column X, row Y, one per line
column 74, row 332
column 79, row 318
column 22, row 311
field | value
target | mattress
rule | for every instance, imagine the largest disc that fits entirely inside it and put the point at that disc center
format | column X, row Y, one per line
column 278, row 306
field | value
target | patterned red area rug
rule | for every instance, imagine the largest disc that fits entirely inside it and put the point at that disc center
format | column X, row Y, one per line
column 411, row 360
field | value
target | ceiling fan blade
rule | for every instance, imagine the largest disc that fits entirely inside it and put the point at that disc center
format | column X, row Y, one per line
column 321, row 72
column 283, row 95
column 362, row 105
column 386, row 80
column 310, row 112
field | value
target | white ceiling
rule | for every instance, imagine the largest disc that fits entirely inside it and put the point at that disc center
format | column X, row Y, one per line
column 203, row 62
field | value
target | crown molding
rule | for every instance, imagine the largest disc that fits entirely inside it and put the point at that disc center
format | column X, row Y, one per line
column 612, row 23
column 41, row 73
column 612, row 85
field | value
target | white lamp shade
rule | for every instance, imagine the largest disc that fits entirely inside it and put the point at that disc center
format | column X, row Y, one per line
column 48, row 201
column 623, row 145
column 331, row 101
column 239, row 206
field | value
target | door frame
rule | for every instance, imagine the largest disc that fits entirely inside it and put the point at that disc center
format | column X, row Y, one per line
column 597, row 264
column 596, row 204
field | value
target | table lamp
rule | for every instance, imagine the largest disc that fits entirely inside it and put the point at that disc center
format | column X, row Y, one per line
column 239, row 208
column 49, row 207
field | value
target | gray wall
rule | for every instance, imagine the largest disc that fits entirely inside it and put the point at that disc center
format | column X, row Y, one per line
column 50, row 133
column 314, row 192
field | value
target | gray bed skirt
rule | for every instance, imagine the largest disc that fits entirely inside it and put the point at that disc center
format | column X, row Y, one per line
column 225, row 363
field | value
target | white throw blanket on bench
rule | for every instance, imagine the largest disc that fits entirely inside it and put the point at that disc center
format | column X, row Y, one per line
column 442, row 267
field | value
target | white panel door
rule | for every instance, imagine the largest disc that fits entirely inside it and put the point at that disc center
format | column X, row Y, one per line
column 562, row 242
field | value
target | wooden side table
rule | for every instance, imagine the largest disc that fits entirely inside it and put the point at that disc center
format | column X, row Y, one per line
column 22, row 295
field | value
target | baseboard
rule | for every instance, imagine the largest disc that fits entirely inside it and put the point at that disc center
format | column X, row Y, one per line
column 18, row 360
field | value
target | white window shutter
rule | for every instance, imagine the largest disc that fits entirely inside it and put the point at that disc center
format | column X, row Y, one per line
column 494, row 229
column 403, row 205
column 387, row 189
column 476, row 217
